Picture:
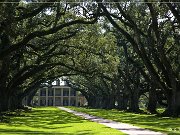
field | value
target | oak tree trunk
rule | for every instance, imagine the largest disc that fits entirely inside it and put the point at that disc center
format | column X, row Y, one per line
column 4, row 101
column 152, row 101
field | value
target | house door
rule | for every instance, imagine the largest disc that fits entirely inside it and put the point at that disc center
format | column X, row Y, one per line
column 50, row 102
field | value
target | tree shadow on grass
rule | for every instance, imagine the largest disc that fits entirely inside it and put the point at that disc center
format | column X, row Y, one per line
column 47, row 119
column 162, row 124
column 22, row 132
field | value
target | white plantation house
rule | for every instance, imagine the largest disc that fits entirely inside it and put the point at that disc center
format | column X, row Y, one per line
column 59, row 94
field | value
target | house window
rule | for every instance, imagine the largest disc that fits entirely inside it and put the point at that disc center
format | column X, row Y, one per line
column 65, row 92
column 58, row 91
column 50, row 91
column 42, row 101
column 73, row 102
column 50, row 101
column 43, row 92
column 65, row 102
column 57, row 101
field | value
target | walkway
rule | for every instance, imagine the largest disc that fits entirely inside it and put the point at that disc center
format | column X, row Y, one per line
column 125, row 128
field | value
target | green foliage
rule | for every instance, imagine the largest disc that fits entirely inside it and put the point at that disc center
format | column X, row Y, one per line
column 34, row 44
column 132, row 49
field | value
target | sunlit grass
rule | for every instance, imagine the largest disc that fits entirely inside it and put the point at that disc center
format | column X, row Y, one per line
column 51, row 120
column 162, row 124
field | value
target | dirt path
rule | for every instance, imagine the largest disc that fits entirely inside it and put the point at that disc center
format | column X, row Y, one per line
column 123, row 127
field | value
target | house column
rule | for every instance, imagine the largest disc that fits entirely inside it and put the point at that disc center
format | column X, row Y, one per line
column 61, row 96
column 69, row 98
column 54, row 99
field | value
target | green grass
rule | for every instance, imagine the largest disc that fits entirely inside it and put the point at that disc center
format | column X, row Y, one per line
column 51, row 120
column 167, row 125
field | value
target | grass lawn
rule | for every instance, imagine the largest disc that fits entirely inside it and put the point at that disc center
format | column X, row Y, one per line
column 51, row 120
column 162, row 124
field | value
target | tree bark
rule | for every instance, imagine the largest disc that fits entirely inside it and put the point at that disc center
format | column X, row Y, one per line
column 173, row 108
column 134, row 101
column 15, row 102
column 109, row 102
column 122, row 101
column 30, row 97
column 91, row 101
column 4, row 101
column 152, row 101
